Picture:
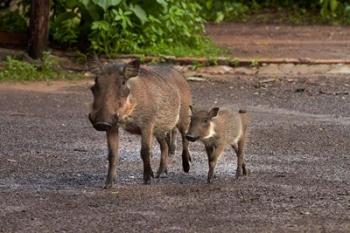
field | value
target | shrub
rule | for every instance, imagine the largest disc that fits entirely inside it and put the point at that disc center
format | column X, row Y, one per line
column 169, row 27
column 131, row 26
column 12, row 21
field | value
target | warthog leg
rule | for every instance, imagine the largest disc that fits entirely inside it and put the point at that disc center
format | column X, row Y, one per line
column 146, row 143
column 163, row 166
column 171, row 140
column 186, row 158
column 113, row 145
column 239, row 149
column 213, row 155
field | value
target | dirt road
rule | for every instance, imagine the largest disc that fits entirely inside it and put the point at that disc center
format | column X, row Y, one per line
column 281, row 41
column 53, row 164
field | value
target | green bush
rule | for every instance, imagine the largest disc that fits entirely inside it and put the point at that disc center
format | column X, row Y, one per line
column 132, row 26
column 223, row 10
column 289, row 11
column 65, row 28
column 12, row 21
column 169, row 27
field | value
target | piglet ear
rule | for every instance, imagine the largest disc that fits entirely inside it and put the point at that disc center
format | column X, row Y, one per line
column 131, row 69
column 213, row 112
column 192, row 109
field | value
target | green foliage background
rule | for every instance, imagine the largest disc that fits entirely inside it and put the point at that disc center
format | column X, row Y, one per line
column 163, row 27
column 131, row 26
column 287, row 11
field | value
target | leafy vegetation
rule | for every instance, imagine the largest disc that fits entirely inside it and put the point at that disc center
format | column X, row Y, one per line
column 225, row 10
column 17, row 70
column 142, row 27
column 164, row 27
column 13, row 21
column 276, row 11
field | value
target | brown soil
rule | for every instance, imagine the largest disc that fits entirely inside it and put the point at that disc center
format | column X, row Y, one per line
column 281, row 41
column 53, row 164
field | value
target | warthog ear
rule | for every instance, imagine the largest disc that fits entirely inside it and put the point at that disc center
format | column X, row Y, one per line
column 213, row 112
column 94, row 64
column 192, row 109
column 97, row 61
column 132, row 69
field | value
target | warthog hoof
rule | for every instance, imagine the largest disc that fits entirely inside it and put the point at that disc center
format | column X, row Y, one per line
column 108, row 186
column 240, row 173
column 246, row 172
column 186, row 166
column 161, row 171
column 209, row 180
column 186, row 159
column 109, row 182
column 147, row 176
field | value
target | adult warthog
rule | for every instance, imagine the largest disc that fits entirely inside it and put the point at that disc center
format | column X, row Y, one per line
column 146, row 100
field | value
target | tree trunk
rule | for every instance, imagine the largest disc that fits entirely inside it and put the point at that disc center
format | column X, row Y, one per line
column 39, row 28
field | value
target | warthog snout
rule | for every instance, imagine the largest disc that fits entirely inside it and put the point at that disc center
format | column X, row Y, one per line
column 102, row 126
column 191, row 137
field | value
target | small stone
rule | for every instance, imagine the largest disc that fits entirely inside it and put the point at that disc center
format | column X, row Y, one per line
column 305, row 213
column 216, row 69
column 88, row 74
column 195, row 79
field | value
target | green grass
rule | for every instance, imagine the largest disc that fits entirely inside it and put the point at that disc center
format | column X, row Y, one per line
column 292, row 16
column 17, row 70
column 206, row 48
